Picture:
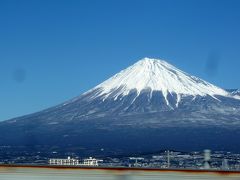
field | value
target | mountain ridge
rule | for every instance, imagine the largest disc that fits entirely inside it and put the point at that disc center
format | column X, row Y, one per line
column 140, row 119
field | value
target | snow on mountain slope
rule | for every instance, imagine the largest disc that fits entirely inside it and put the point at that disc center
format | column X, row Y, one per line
column 150, row 105
column 236, row 92
column 156, row 75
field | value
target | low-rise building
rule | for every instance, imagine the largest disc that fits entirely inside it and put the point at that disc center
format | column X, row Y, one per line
column 75, row 162
column 68, row 161
column 91, row 162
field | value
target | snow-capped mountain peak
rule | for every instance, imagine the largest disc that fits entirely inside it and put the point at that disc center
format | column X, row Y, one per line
column 151, row 103
column 156, row 75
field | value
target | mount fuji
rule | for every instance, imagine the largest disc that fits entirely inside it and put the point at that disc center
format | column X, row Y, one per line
column 148, row 106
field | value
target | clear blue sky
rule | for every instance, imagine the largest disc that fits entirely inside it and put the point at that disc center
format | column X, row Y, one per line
column 53, row 50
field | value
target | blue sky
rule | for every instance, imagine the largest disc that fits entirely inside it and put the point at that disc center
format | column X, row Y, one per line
column 53, row 50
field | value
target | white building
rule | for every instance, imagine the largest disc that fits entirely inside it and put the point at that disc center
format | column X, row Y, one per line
column 75, row 162
column 68, row 161
column 91, row 162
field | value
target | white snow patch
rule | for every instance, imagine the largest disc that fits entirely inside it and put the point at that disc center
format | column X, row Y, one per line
column 158, row 75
